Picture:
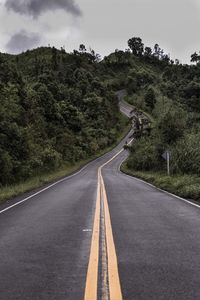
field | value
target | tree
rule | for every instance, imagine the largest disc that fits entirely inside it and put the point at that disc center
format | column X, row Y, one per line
column 177, row 62
column 166, row 58
column 119, row 54
column 150, row 98
column 136, row 45
column 172, row 124
column 97, row 57
column 148, row 52
column 192, row 94
column 195, row 57
column 82, row 48
column 157, row 51
column 54, row 109
column 54, row 58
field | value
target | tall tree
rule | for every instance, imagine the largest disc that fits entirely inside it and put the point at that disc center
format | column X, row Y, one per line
column 150, row 98
column 195, row 57
column 157, row 51
column 148, row 52
column 54, row 58
column 136, row 45
column 82, row 48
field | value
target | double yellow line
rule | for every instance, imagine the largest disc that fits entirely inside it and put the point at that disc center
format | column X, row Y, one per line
column 112, row 265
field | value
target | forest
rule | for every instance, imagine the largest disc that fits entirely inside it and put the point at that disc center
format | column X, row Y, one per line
column 54, row 110
column 58, row 108
column 169, row 93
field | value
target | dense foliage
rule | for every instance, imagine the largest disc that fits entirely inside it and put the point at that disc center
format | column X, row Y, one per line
column 58, row 108
column 170, row 92
column 54, row 109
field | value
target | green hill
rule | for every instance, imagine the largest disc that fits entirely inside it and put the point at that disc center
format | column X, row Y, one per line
column 169, row 93
column 59, row 108
column 54, row 110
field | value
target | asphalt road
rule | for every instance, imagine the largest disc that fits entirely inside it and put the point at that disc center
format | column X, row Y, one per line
column 125, row 107
column 45, row 241
column 157, row 239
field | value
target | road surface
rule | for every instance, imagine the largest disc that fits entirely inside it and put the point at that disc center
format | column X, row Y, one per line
column 125, row 107
column 99, row 234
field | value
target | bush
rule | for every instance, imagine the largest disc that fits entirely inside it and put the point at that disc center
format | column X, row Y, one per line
column 150, row 98
column 186, row 154
column 145, row 156
column 171, row 124
column 51, row 159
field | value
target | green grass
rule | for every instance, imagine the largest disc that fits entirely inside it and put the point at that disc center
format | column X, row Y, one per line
column 186, row 186
column 40, row 180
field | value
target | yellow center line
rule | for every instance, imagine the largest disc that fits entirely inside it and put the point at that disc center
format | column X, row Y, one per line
column 113, row 274
column 92, row 272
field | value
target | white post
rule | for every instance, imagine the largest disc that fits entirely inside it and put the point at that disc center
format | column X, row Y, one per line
column 168, row 157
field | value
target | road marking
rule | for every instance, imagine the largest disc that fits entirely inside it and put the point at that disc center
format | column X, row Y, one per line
column 44, row 189
column 104, row 283
column 157, row 188
column 53, row 184
column 92, row 273
column 113, row 273
column 91, row 287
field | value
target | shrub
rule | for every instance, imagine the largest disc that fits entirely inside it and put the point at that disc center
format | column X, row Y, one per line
column 145, row 156
column 186, row 154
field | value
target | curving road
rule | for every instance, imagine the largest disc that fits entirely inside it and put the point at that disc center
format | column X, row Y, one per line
column 145, row 243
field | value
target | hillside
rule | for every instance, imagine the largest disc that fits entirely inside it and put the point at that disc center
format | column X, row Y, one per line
column 54, row 110
column 58, row 108
column 169, row 94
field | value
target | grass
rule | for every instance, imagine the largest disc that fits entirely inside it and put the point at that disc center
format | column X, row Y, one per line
column 186, row 186
column 11, row 191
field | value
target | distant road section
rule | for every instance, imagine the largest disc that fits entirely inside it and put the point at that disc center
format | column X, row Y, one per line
column 125, row 107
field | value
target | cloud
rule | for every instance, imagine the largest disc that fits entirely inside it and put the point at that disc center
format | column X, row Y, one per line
column 22, row 41
column 173, row 24
column 35, row 8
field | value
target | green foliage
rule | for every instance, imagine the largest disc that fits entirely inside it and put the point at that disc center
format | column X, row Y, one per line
column 186, row 154
column 172, row 124
column 145, row 155
column 192, row 94
column 54, row 110
column 59, row 108
column 187, row 186
column 138, row 79
column 195, row 57
column 169, row 129
column 169, row 91
column 150, row 98
column 136, row 45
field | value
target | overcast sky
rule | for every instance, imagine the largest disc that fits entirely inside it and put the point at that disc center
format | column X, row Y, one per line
column 104, row 25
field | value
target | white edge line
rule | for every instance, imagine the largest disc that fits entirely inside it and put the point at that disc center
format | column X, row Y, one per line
column 53, row 184
column 155, row 187
column 44, row 189
column 112, row 158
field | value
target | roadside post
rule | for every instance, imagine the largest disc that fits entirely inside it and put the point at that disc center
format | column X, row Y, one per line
column 167, row 155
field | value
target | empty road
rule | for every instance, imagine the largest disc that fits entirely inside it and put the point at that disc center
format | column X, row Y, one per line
column 99, row 234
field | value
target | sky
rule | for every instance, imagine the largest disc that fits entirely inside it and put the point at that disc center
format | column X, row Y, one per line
column 103, row 25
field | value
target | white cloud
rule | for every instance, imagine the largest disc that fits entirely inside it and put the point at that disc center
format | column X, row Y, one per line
column 22, row 40
column 107, row 24
column 37, row 7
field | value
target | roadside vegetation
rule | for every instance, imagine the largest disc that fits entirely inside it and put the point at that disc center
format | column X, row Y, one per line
column 44, row 178
column 186, row 186
column 58, row 110
column 169, row 93
column 54, row 110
